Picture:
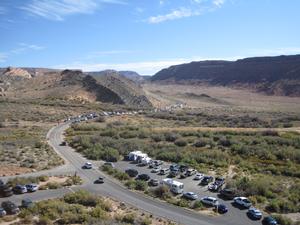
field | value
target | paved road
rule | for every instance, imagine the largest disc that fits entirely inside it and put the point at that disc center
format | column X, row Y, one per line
column 112, row 188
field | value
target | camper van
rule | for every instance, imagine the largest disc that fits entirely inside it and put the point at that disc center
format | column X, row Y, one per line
column 175, row 186
column 136, row 156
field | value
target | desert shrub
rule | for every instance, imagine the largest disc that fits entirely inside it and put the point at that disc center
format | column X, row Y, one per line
column 171, row 137
column 224, row 141
column 282, row 206
column 129, row 218
column 141, row 185
column 128, row 134
column 146, row 221
column 180, row 143
column 53, row 185
column 73, row 180
column 22, row 180
column 99, row 213
column 162, row 192
column 182, row 203
column 197, row 205
column 156, row 137
column 44, row 221
column 283, row 220
column 100, row 119
column 269, row 133
column 200, row 143
column 43, row 178
column 81, row 197
column 130, row 184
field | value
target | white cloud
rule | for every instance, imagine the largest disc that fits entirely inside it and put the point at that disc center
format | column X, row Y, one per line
column 22, row 47
column 3, row 57
column 192, row 8
column 218, row 3
column 58, row 9
column 145, row 68
column 175, row 14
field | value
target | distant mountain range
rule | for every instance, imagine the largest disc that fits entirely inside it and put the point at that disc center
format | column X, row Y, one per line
column 132, row 75
column 278, row 75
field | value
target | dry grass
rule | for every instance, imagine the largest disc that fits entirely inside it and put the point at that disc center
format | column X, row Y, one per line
column 222, row 98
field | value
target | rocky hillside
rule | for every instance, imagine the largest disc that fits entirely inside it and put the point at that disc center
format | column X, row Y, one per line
column 131, row 75
column 70, row 85
column 273, row 75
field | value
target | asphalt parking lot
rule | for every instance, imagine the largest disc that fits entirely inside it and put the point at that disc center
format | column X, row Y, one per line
column 190, row 185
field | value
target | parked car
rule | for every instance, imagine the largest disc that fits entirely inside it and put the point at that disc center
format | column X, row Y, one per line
column 87, row 165
column 211, row 201
column 132, row 172
column 153, row 182
column 6, row 190
column 183, row 175
column 198, row 176
column 164, row 171
column 32, row 187
column 156, row 169
column 221, row 208
column 220, row 181
column 191, row 172
column 174, row 167
column 2, row 212
column 254, row 213
column 20, row 189
column 63, row 143
column 183, row 168
column 174, row 173
column 269, row 220
column 206, row 180
column 213, row 187
column 190, row 195
column 100, row 180
column 242, row 201
column 10, row 207
column 228, row 193
column 27, row 203
column 144, row 177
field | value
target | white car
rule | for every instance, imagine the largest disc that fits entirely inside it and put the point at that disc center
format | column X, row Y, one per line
column 242, row 201
column 211, row 201
column 198, row 176
column 156, row 169
column 87, row 165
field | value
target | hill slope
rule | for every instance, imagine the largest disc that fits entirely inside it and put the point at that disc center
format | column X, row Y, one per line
column 273, row 75
column 71, row 85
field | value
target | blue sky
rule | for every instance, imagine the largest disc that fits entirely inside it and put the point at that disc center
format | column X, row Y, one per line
column 143, row 35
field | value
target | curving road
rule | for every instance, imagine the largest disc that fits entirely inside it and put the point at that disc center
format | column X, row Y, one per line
column 113, row 189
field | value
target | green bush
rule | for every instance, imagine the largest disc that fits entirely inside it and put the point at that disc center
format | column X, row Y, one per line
column 81, row 197
column 283, row 220
column 141, row 185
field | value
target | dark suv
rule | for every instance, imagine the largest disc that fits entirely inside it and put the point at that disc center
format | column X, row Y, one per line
column 5, row 190
column 144, row 177
column 10, row 207
column 132, row 172
column 206, row 180
column 227, row 193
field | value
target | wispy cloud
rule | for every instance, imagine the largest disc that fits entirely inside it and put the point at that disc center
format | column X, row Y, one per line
column 2, row 10
column 22, row 47
column 192, row 8
column 3, row 57
column 59, row 9
column 175, row 14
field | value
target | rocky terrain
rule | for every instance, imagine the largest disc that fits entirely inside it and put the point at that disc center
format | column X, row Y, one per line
column 272, row 75
column 17, row 83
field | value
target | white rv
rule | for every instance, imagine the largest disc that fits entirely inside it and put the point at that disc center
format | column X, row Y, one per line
column 136, row 155
column 175, row 186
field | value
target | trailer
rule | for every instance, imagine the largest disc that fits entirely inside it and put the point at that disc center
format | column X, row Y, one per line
column 175, row 186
